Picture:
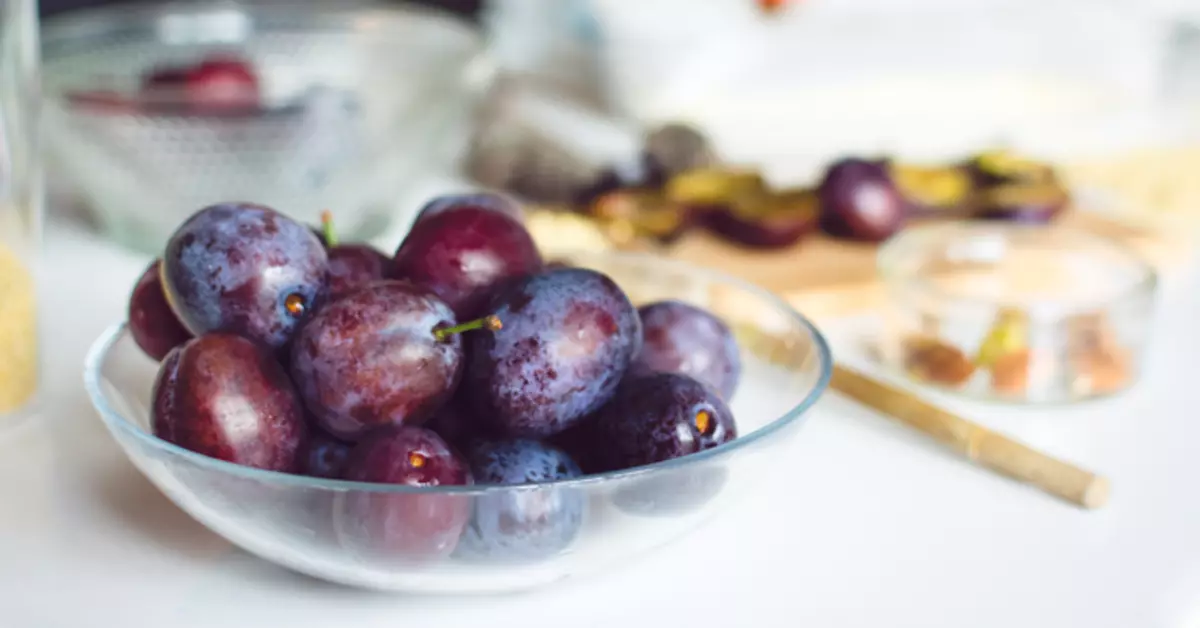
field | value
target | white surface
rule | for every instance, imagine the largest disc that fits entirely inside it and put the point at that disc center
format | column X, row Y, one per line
column 872, row 527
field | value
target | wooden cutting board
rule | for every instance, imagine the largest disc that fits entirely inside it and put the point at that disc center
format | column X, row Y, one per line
column 826, row 278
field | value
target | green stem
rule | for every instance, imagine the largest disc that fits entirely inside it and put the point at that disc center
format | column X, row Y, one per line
column 490, row 323
column 327, row 228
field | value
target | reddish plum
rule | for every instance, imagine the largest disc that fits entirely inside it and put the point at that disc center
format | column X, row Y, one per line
column 482, row 200
column 245, row 269
column 351, row 266
column 859, row 201
column 222, row 83
column 463, row 253
column 403, row 527
column 226, row 397
column 154, row 327
column 383, row 355
column 568, row 337
column 682, row 338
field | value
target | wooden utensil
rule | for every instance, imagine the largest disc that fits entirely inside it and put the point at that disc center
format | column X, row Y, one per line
column 979, row 444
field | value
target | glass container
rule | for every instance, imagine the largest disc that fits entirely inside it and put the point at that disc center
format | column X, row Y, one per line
column 1015, row 313
column 601, row 521
column 20, row 208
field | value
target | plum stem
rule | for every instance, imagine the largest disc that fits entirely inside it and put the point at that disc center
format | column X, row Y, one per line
column 490, row 323
column 327, row 228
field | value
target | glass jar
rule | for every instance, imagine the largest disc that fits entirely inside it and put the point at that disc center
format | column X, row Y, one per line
column 20, row 207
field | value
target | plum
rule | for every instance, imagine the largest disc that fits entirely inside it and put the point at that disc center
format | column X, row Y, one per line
column 524, row 524
column 226, row 397
column 859, row 201
column 245, row 269
column 404, row 527
column 154, row 326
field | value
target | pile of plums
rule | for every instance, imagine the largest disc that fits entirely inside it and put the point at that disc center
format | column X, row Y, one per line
column 679, row 184
column 464, row 358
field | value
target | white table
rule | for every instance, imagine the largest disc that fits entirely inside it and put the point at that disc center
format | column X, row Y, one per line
column 873, row 526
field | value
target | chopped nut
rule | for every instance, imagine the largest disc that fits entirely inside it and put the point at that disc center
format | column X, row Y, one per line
column 932, row 360
column 1010, row 372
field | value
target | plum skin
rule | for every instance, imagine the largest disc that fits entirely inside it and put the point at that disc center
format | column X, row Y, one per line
column 223, row 396
column 463, row 253
column 154, row 326
column 405, row 527
column 569, row 335
column 859, row 201
column 682, row 338
column 522, row 524
column 372, row 359
column 238, row 267
column 652, row 418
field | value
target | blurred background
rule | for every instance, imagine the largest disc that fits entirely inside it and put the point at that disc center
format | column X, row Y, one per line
column 359, row 104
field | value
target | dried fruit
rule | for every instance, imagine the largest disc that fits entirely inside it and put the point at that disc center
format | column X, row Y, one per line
column 1098, row 363
column 929, row 359
column 1010, row 372
column 1008, row 335
column 1099, row 373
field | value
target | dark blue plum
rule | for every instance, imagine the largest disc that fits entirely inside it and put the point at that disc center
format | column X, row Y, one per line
column 457, row 424
column 245, row 269
column 568, row 337
column 377, row 358
column 651, row 418
column 324, row 457
column 522, row 524
column 682, row 338
column 490, row 201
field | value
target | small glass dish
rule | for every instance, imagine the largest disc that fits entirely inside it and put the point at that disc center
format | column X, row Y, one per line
column 293, row 520
column 1020, row 313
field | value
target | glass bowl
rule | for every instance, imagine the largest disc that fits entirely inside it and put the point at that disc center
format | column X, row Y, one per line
column 290, row 519
column 1016, row 312
column 357, row 100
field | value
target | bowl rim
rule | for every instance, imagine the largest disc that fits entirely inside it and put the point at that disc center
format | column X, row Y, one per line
column 920, row 240
column 113, row 419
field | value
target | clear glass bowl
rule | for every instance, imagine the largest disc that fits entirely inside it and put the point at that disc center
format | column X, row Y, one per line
column 1016, row 313
column 289, row 519
column 360, row 99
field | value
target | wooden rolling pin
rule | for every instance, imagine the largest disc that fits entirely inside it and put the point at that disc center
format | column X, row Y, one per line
column 977, row 443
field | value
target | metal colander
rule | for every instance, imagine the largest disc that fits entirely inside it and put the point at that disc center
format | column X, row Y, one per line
column 359, row 100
